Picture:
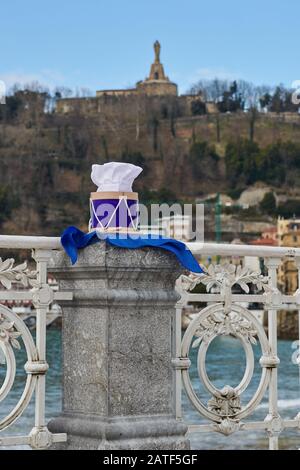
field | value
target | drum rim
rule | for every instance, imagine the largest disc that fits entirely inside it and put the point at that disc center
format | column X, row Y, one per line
column 113, row 195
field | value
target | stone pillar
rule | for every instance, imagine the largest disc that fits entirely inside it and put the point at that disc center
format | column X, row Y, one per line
column 118, row 390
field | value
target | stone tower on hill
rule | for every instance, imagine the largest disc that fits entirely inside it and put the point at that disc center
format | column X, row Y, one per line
column 156, row 92
column 157, row 83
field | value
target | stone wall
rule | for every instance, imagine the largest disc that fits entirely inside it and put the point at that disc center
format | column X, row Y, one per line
column 161, row 99
column 157, row 87
column 288, row 325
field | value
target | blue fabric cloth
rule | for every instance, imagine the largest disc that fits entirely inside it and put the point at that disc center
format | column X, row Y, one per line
column 73, row 239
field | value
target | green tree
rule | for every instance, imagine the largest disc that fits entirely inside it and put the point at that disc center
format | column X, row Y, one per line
column 9, row 111
column 289, row 209
column 232, row 100
column 268, row 204
column 240, row 160
column 265, row 100
column 7, row 203
column 278, row 99
column 198, row 108
column 136, row 158
column 148, row 196
column 253, row 117
column 202, row 153
column 270, row 164
column 154, row 122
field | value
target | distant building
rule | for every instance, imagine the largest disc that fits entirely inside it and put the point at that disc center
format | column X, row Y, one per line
column 270, row 234
column 288, row 272
column 176, row 226
column 157, row 83
column 268, row 237
column 288, row 235
column 156, row 86
column 263, row 242
column 285, row 226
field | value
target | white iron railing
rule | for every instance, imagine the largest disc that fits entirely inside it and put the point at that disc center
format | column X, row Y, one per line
column 225, row 315
column 14, row 334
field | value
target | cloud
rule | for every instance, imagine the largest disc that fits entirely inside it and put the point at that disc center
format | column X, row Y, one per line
column 47, row 78
column 210, row 73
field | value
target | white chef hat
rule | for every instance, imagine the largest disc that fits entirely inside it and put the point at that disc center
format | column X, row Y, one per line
column 115, row 176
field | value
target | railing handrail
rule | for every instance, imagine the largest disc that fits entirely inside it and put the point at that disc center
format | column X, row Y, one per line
column 227, row 249
column 20, row 242
column 224, row 249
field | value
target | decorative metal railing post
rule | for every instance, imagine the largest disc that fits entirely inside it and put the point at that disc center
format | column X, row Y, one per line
column 42, row 297
column 178, row 363
column 273, row 418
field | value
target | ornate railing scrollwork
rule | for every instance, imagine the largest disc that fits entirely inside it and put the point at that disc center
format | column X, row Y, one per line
column 226, row 318
column 15, row 335
column 240, row 323
column 12, row 330
column 19, row 274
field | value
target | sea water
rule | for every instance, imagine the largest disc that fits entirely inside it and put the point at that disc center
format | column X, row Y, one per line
column 225, row 364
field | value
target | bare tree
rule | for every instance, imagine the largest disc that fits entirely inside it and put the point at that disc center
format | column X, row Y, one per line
column 211, row 90
column 252, row 93
column 63, row 92
column 83, row 92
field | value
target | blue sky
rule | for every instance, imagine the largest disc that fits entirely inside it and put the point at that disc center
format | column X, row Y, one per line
column 108, row 44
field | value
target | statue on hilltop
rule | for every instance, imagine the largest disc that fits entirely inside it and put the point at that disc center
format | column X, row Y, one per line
column 157, row 48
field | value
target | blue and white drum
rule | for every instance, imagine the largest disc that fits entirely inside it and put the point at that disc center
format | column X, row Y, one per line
column 114, row 211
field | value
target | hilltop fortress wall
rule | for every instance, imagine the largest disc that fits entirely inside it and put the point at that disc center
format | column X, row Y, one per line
column 155, row 94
